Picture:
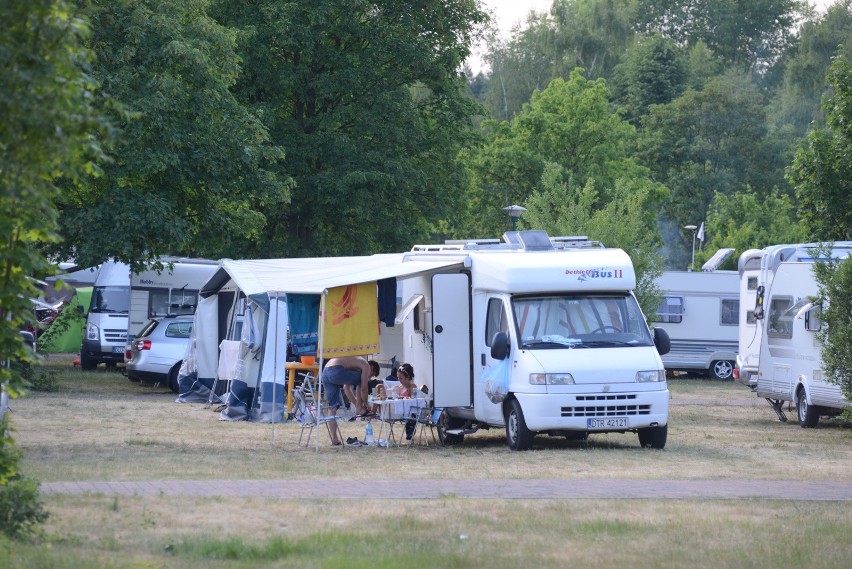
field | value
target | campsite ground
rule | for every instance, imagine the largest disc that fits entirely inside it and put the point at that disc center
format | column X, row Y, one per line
column 101, row 427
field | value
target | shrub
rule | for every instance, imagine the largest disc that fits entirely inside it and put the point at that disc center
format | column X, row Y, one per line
column 21, row 508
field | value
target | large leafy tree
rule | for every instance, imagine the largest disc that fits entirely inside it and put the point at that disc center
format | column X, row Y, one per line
column 570, row 124
column 192, row 166
column 749, row 36
column 822, row 171
column 49, row 129
column 834, row 282
column 368, row 99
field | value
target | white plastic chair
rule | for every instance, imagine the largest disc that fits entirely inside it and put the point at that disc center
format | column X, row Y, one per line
column 309, row 413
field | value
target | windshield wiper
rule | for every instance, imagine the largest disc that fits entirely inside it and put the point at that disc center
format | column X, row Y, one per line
column 554, row 342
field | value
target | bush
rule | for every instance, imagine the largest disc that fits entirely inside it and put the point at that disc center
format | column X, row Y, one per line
column 21, row 509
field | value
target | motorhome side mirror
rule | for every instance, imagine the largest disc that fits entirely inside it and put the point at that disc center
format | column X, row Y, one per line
column 662, row 341
column 500, row 346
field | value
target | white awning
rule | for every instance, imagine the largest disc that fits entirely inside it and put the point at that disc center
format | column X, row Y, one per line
column 316, row 274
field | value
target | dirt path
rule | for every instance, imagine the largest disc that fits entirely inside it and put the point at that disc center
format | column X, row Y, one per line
column 506, row 489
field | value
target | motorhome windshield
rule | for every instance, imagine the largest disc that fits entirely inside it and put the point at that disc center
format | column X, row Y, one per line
column 580, row 321
column 113, row 299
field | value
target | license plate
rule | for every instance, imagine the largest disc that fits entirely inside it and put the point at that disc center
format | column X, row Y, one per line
column 117, row 349
column 611, row 423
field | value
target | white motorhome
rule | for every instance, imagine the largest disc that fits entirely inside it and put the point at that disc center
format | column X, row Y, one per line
column 700, row 311
column 170, row 291
column 790, row 362
column 559, row 316
column 106, row 323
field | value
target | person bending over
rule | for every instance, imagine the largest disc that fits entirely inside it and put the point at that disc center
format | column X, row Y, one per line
column 345, row 373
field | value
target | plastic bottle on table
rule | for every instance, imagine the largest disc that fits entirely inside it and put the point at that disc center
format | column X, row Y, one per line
column 368, row 436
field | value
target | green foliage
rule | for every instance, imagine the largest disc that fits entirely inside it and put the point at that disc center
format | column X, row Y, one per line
column 743, row 221
column 569, row 124
column 628, row 220
column 192, row 166
column 654, row 73
column 748, row 36
column 834, row 282
column 49, row 129
column 822, row 170
column 21, row 509
column 368, row 99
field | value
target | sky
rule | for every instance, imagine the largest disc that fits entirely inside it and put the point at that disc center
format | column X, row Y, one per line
column 509, row 12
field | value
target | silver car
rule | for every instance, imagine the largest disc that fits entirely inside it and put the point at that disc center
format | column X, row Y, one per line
column 156, row 354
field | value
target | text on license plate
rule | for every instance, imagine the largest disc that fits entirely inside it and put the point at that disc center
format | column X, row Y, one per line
column 610, row 423
column 118, row 349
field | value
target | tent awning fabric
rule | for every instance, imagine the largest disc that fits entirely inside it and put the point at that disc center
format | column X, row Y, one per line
column 314, row 275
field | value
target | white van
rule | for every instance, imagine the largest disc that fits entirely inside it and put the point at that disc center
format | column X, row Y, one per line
column 790, row 363
column 106, row 324
column 559, row 316
column 171, row 291
column 700, row 311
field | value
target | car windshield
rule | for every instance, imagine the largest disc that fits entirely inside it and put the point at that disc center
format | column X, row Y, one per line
column 580, row 321
column 110, row 299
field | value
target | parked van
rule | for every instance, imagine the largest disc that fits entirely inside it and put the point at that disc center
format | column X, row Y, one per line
column 171, row 291
column 790, row 362
column 536, row 335
column 701, row 313
column 106, row 323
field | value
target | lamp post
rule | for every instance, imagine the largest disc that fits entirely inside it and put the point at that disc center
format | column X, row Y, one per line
column 514, row 212
column 694, row 229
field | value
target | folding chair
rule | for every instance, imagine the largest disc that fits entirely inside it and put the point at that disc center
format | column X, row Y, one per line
column 425, row 417
column 310, row 413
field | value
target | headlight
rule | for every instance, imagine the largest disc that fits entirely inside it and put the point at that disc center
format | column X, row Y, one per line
column 92, row 332
column 649, row 376
column 551, row 379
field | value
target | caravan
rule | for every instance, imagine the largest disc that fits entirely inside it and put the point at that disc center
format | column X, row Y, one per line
column 535, row 335
column 700, row 311
column 106, row 323
column 170, row 291
column 789, row 366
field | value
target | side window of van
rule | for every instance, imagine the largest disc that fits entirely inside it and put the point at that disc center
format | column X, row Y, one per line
column 730, row 312
column 495, row 319
column 670, row 310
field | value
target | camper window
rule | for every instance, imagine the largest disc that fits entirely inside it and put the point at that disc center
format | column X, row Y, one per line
column 781, row 317
column 730, row 312
column 670, row 311
column 751, row 284
column 495, row 320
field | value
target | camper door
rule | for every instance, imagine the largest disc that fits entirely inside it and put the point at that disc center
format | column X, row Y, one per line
column 451, row 340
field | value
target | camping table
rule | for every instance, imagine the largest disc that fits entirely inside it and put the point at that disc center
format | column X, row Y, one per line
column 395, row 410
column 292, row 368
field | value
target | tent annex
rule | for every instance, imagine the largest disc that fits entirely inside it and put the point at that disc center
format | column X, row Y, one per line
column 248, row 307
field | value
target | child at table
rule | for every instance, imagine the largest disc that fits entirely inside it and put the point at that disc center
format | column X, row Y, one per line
column 405, row 375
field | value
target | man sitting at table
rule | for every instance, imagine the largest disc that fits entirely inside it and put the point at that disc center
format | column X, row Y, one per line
column 344, row 373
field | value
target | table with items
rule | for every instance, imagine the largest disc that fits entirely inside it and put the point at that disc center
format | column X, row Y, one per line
column 392, row 411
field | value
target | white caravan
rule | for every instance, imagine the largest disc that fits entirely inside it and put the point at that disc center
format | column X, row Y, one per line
column 700, row 311
column 550, row 325
column 171, row 291
column 790, row 362
column 106, row 323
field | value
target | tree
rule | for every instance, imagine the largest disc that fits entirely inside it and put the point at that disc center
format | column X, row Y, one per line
column 834, row 282
column 369, row 100
column 748, row 36
column 562, row 206
column 49, row 129
column 571, row 124
column 593, row 34
column 709, row 141
column 822, row 171
column 654, row 72
column 192, row 167
column 742, row 220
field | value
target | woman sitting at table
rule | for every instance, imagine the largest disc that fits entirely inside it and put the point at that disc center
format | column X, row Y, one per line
column 405, row 375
